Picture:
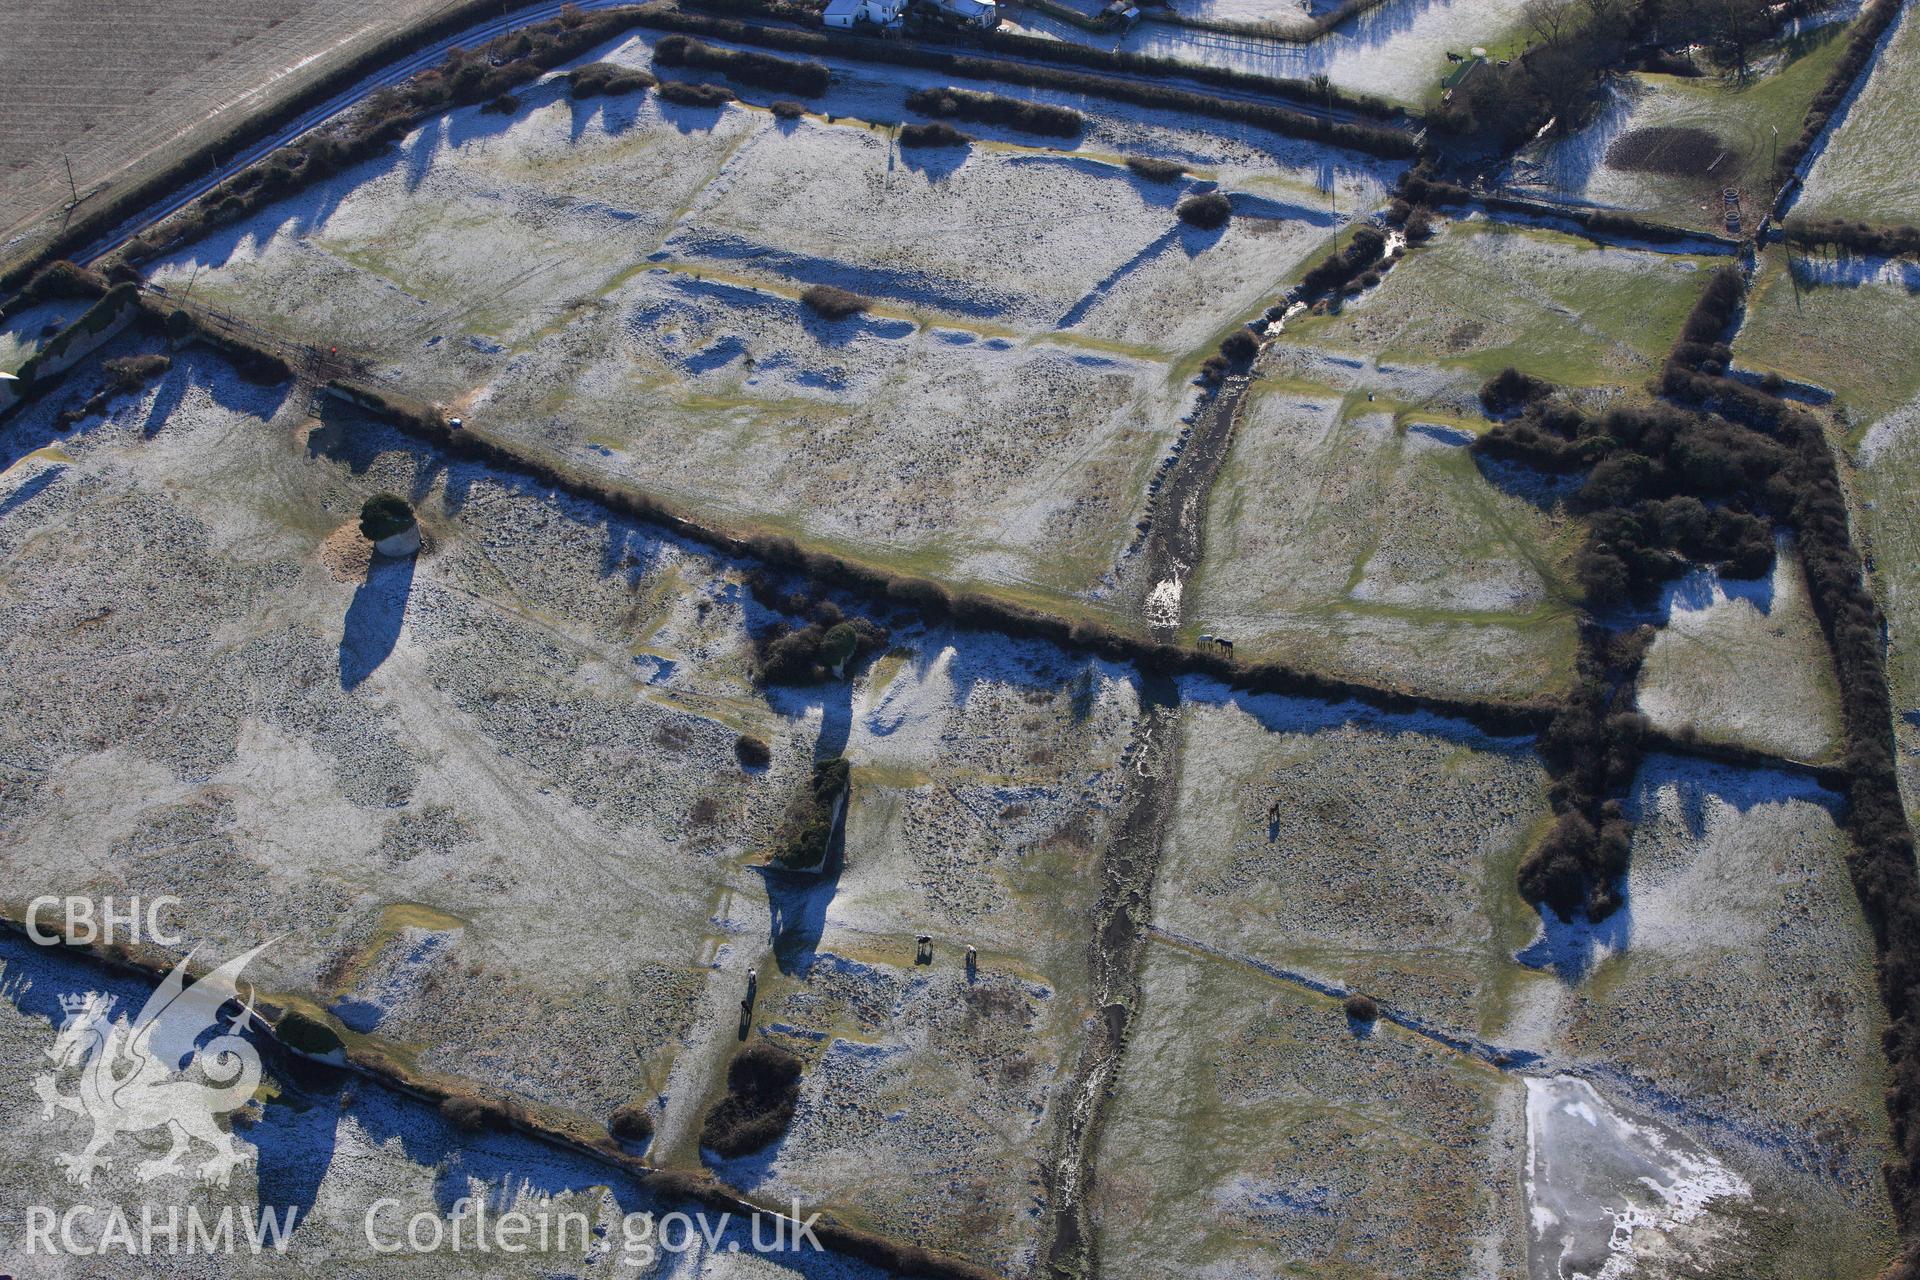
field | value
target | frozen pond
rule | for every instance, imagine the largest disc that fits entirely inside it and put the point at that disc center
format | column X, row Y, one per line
column 1607, row 1191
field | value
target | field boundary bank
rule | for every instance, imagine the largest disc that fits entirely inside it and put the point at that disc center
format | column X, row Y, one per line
column 1865, row 239
column 284, row 1025
column 98, row 325
column 938, row 603
column 1063, row 53
column 1422, row 188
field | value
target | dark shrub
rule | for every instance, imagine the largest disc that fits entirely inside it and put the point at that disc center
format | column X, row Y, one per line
column 1333, row 274
column 834, row 303
column 130, row 373
column 1213, row 368
column 787, row 108
column 1205, row 211
column 992, row 108
column 467, row 1114
column 937, row 134
column 1156, row 170
column 63, row 279
column 763, row 1086
column 1555, row 871
column 806, row 829
column 610, row 78
column 631, row 1123
column 504, row 105
column 383, row 515
column 789, row 657
column 692, row 93
column 303, row 1034
column 751, row 752
column 1240, row 347
column 1362, row 1008
column 1510, row 390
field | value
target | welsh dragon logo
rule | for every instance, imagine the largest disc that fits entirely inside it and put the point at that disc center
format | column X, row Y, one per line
column 135, row 1077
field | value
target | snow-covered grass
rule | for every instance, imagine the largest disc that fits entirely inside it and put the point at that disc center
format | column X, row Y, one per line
column 1484, row 295
column 1740, row 1002
column 1744, row 115
column 494, row 790
column 1867, row 168
column 615, row 284
column 1745, row 662
column 1370, row 852
column 1832, row 322
column 1348, row 534
column 1252, row 1131
column 1396, row 51
column 226, row 705
column 27, row 329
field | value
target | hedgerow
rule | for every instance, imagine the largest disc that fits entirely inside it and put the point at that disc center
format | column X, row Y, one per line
column 993, row 108
column 935, row 134
column 598, row 78
column 806, row 828
column 809, row 79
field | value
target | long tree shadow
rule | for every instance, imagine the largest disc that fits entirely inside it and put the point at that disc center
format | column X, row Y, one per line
column 374, row 618
column 797, row 903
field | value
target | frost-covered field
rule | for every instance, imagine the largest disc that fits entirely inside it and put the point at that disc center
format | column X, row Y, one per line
column 1745, row 662
column 1832, row 324
column 325, row 1151
column 615, row 284
column 1484, row 295
column 1370, row 852
column 1742, row 116
column 1396, row 51
column 1354, row 534
column 1253, row 1132
column 985, row 774
column 435, row 778
column 1867, row 169
column 1690, row 1088
column 490, row 797
column 1735, row 993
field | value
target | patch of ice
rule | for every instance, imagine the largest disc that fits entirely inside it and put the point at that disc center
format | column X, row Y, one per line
column 1163, row 603
column 1606, row 1189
